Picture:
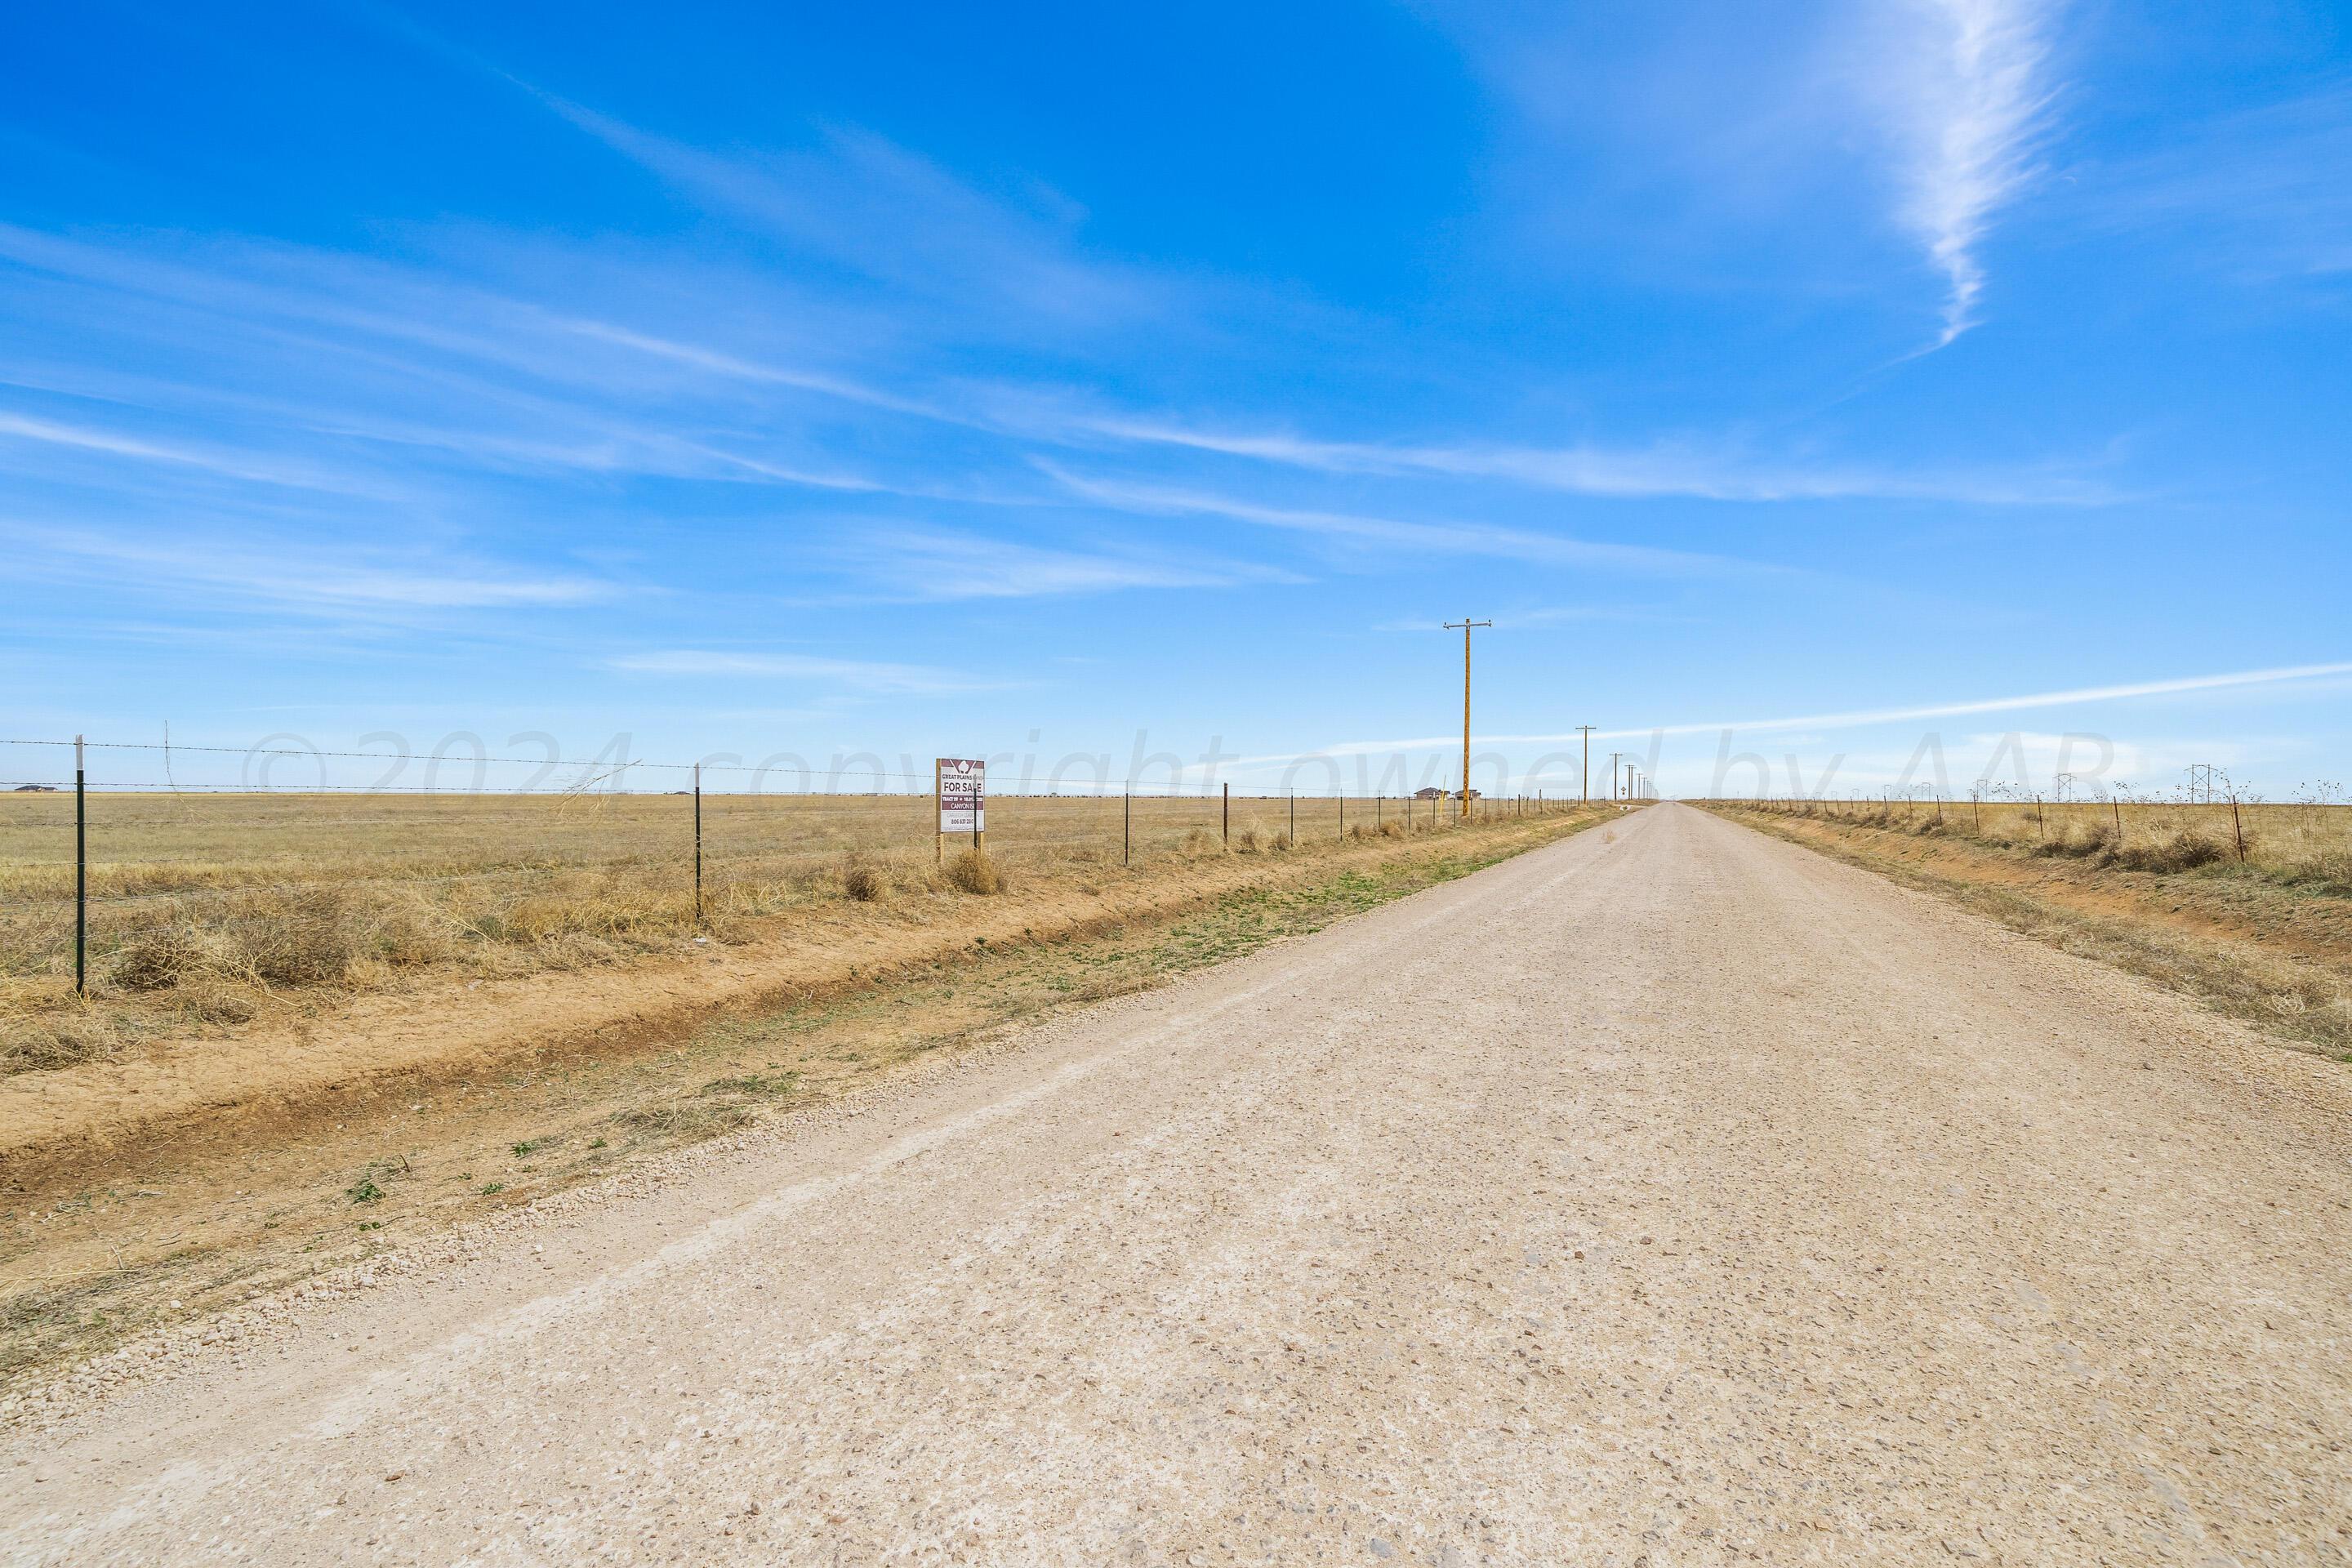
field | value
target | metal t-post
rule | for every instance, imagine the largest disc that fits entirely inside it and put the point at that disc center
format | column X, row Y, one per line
column 82, row 872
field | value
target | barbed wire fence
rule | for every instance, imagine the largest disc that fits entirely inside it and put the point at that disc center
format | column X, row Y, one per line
column 124, row 837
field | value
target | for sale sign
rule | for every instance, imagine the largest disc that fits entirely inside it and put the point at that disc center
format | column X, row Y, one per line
column 963, row 794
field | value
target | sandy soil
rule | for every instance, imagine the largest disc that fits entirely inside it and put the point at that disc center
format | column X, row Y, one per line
column 1672, row 1195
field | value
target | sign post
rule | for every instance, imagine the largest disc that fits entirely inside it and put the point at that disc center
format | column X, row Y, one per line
column 960, row 786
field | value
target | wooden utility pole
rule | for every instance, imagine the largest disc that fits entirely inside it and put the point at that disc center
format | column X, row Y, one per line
column 1466, row 623
column 1613, row 774
column 1585, row 790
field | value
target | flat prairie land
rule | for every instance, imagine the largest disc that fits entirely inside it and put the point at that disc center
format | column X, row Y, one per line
column 211, row 909
column 201, row 1155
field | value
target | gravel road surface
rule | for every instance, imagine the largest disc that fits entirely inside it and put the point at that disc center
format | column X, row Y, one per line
column 1672, row 1195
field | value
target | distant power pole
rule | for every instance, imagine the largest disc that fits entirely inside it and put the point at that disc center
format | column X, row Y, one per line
column 1466, row 623
column 1613, row 774
column 1586, row 789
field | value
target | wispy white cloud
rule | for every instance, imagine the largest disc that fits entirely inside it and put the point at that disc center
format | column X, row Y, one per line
column 1428, row 538
column 1964, row 87
column 911, row 679
column 294, row 346
column 295, row 577
column 229, row 463
column 1659, row 470
column 420, row 358
column 1563, row 616
column 1860, row 718
column 2259, row 191
column 2236, row 679
column 932, row 564
column 736, row 367
column 867, row 204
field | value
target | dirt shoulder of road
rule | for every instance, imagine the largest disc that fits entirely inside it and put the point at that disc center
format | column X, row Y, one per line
column 347, row 1145
column 2275, row 956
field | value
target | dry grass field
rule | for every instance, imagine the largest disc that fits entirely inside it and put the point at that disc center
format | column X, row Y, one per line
column 208, row 908
column 2293, row 844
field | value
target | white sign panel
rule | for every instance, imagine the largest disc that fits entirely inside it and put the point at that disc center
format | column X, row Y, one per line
column 964, row 795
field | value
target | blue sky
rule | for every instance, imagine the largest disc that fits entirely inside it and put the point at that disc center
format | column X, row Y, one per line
column 745, row 380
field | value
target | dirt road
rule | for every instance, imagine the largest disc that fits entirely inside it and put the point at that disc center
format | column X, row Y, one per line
column 1669, row 1195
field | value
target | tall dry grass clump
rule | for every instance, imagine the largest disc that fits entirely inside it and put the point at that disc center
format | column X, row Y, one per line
column 2077, row 844
column 160, row 958
column 57, row 1039
column 306, row 938
column 862, row 880
column 280, row 938
column 2184, row 851
column 974, row 872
